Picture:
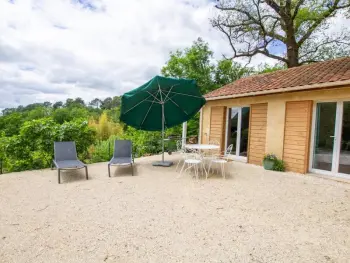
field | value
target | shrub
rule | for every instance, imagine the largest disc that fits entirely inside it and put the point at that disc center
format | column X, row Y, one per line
column 279, row 165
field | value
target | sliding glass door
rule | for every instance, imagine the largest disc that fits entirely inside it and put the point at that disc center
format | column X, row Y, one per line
column 331, row 138
column 344, row 153
column 237, row 131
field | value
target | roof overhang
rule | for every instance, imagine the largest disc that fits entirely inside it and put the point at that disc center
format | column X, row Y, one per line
column 281, row 90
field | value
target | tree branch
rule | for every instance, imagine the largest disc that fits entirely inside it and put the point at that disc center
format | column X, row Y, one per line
column 297, row 7
column 319, row 20
column 274, row 6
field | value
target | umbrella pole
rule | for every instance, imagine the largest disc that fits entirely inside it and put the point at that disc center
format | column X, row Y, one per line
column 163, row 132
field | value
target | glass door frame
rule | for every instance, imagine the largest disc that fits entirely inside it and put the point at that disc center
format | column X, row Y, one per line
column 337, row 140
column 236, row 156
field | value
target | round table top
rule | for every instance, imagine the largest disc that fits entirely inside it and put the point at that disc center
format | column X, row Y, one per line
column 202, row 146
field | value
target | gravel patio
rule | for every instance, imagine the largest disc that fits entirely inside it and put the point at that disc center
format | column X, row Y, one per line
column 253, row 216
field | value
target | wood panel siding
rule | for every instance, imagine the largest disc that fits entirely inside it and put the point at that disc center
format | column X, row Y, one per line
column 257, row 133
column 297, row 135
column 217, row 125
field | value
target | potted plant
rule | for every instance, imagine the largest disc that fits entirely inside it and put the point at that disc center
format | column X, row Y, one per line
column 269, row 161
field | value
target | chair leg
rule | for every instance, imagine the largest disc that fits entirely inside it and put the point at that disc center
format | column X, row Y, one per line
column 209, row 169
column 59, row 175
column 178, row 165
column 222, row 170
column 182, row 168
column 109, row 170
column 132, row 170
column 86, row 172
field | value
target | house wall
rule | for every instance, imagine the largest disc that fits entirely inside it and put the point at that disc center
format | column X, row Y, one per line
column 276, row 112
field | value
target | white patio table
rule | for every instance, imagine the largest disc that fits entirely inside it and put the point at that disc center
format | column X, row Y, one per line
column 202, row 146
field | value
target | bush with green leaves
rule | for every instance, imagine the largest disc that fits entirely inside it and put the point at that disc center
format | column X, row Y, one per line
column 279, row 165
column 32, row 148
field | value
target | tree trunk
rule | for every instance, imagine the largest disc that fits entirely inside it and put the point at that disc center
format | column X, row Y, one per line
column 292, row 46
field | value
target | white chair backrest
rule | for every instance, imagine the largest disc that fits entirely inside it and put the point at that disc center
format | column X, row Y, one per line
column 228, row 150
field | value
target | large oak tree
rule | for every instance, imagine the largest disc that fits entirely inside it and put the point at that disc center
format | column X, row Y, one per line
column 299, row 26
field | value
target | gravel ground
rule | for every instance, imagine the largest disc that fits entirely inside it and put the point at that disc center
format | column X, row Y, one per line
column 253, row 216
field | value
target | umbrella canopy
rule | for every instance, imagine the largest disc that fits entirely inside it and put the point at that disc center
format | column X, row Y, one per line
column 142, row 107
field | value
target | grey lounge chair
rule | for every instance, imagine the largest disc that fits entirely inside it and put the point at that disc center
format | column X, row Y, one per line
column 122, row 155
column 66, row 158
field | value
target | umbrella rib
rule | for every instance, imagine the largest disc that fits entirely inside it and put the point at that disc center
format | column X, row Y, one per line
column 167, row 95
column 178, row 106
column 154, row 96
column 147, row 113
column 137, row 105
column 177, row 93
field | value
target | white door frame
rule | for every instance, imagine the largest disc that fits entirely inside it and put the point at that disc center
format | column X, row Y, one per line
column 337, row 140
column 239, row 128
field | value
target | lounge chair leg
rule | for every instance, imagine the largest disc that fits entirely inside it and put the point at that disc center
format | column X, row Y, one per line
column 59, row 175
column 86, row 171
column 132, row 170
column 109, row 170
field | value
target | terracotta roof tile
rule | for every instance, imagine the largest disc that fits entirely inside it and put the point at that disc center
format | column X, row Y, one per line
column 316, row 73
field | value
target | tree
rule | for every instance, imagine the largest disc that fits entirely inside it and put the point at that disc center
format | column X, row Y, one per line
column 96, row 103
column 298, row 26
column 106, row 103
column 79, row 101
column 197, row 63
column 192, row 63
column 57, row 105
column 69, row 102
column 228, row 71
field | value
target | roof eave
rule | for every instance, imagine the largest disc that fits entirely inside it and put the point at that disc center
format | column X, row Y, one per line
column 280, row 90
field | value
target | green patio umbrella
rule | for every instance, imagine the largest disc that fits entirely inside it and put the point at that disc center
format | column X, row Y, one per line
column 161, row 103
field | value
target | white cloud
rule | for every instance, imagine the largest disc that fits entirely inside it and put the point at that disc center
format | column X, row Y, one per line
column 55, row 49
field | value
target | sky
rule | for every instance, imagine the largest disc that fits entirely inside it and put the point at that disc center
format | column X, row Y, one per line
column 54, row 49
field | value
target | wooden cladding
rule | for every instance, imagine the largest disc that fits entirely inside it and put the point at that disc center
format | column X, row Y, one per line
column 217, row 125
column 297, row 135
column 257, row 133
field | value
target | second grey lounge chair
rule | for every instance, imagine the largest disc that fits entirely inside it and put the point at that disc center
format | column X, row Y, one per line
column 122, row 155
column 66, row 158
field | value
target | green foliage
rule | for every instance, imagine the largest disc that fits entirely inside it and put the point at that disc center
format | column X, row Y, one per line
column 32, row 148
column 197, row 63
column 228, row 71
column 279, row 166
column 102, row 151
column 144, row 142
column 266, row 68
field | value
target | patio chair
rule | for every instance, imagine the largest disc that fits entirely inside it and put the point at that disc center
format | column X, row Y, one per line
column 180, row 150
column 193, row 160
column 221, row 160
column 66, row 158
column 122, row 155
